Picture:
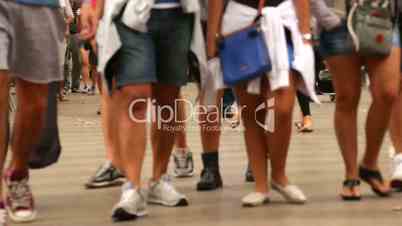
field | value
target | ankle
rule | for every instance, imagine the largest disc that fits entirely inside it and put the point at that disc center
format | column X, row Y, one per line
column 280, row 179
column 352, row 174
column 262, row 189
column 370, row 165
column 210, row 160
column 18, row 174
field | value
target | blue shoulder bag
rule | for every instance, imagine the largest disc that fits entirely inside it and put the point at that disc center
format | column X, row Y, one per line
column 244, row 54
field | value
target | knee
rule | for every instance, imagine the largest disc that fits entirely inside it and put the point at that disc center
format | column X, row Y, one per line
column 136, row 100
column 283, row 111
column 346, row 103
column 36, row 107
column 386, row 97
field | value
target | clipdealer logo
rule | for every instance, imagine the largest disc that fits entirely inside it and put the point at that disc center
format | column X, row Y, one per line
column 164, row 115
column 269, row 123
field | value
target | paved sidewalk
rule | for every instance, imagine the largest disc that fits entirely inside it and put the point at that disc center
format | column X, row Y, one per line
column 314, row 164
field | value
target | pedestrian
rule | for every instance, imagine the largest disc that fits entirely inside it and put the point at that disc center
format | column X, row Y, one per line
column 345, row 64
column 151, row 63
column 33, row 71
column 238, row 15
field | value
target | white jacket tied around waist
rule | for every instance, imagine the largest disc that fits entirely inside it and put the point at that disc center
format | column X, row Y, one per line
column 273, row 22
column 136, row 15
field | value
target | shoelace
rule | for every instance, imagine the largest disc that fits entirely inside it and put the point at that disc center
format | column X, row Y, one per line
column 167, row 186
column 20, row 194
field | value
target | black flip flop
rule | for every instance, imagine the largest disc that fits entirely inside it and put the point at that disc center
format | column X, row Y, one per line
column 351, row 184
column 368, row 176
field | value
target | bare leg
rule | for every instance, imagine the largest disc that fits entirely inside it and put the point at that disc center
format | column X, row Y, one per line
column 396, row 137
column 396, row 125
column 163, row 135
column 255, row 136
column 210, row 126
column 110, row 130
column 181, row 137
column 384, row 86
column 279, row 140
column 347, row 82
column 29, row 121
column 4, row 127
column 131, row 128
column 85, row 68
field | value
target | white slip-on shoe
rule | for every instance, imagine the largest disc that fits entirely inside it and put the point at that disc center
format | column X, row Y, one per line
column 162, row 192
column 255, row 199
column 131, row 205
column 396, row 179
column 291, row 193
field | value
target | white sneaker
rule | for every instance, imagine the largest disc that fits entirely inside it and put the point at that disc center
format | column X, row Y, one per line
column 255, row 199
column 184, row 164
column 163, row 193
column 291, row 193
column 396, row 179
column 131, row 205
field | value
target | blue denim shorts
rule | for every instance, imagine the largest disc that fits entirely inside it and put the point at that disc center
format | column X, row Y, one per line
column 158, row 56
column 339, row 42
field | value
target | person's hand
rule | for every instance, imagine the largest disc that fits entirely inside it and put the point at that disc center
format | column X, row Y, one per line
column 89, row 22
column 212, row 48
column 69, row 20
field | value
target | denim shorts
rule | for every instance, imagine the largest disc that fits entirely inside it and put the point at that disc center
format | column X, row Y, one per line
column 158, row 56
column 339, row 42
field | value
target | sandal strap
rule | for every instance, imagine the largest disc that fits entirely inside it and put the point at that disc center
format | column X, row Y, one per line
column 351, row 183
column 367, row 174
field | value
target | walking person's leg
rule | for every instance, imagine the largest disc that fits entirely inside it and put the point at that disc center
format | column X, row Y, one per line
column 306, row 124
column 76, row 60
column 145, row 59
column 279, row 141
column 256, row 144
column 110, row 172
column 41, row 66
column 171, row 70
column 347, row 83
column 164, row 129
column 210, row 130
column 384, row 87
column 183, row 157
column 85, row 70
column 4, row 129
column 395, row 129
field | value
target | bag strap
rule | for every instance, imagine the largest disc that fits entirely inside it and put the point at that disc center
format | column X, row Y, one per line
column 261, row 5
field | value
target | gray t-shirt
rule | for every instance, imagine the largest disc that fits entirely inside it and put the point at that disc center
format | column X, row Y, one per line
column 326, row 17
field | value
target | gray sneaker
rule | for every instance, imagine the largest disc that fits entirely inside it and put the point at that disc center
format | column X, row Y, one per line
column 183, row 164
column 163, row 193
column 106, row 176
column 132, row 204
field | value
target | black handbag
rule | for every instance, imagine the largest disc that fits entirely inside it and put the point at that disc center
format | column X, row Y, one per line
column 47, row 152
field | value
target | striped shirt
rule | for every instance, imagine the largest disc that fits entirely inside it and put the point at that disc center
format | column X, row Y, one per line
column 166, row 4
